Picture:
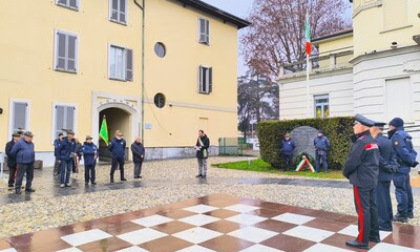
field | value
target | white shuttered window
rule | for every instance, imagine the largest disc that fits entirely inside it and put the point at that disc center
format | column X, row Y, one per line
column 205, row 80
column 66, row 50
column 203, row 31
column 118, row 11
column 120, row 63
column 72, row 4
column 64, row 119
column 20, row 115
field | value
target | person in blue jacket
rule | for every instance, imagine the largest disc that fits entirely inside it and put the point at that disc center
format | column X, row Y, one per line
column 90, row 154
column 322, row 146
column 406, row 157
column 24, row 153
column 67, row 153
column 387, row 167
column 11, row 161
column 287, row 146
column 117, row 148
column 57, row 143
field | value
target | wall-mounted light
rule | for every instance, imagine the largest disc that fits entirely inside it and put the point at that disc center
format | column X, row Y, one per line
column 394, row 45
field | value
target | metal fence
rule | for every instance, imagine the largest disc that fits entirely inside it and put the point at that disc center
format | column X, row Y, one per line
column 233, row 146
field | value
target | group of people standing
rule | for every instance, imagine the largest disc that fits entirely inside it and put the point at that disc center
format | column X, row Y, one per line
column 373, row 162
column 322, row 146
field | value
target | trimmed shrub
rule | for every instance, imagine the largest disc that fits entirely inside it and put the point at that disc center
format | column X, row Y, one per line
column 337, row 129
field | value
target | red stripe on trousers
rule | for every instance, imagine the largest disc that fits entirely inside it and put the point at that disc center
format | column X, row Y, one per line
column 359, row 206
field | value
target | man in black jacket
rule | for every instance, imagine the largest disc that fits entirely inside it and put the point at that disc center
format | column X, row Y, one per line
column 388, row 165
column 361, row 168
column 138, row 151
column 11, row 161
column 202, row 146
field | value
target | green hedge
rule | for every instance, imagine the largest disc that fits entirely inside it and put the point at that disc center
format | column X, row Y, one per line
column 337, row 129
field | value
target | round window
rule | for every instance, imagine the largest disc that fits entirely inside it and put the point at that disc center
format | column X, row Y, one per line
column 160, row 49
column 160, row 100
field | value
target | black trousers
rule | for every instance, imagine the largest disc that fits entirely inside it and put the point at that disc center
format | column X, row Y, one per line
column 117, row 162
column 137, row 169
column 365, row 201
column 383, row 198
column 27, row 169
column 12, row 176
column 90, row 173
column 288, row 161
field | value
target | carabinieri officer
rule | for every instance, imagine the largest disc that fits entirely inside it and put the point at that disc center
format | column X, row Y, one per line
column 361, row 168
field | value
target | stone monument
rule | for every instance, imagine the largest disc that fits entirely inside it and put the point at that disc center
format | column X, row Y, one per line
column 304, row 139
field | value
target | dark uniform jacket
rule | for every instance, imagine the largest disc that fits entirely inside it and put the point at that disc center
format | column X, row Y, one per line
column 90, row 152
column 117, row 148
column 138, row 150
column 205, row 147
column 287, row 147
column 362, row 164
column 403, row 147
column 66, row 148
column 11, row 161
column 57, row 143
column 24, row 152
column 322, row 143
column 387, row 160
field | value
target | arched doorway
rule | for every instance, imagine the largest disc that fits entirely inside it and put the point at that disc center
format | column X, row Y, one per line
column 117, row 119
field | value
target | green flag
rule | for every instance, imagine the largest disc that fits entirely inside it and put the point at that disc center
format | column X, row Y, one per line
column 103, row 133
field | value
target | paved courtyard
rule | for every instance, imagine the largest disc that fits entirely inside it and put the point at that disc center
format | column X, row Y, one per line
column 169, row 182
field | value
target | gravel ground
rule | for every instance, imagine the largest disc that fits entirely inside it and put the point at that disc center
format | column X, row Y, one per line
column 40, row 214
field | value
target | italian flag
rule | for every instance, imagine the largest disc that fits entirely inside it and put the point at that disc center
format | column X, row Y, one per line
column 308, row 35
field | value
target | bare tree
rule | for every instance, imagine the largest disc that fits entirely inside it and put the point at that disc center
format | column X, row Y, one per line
column 277, row 33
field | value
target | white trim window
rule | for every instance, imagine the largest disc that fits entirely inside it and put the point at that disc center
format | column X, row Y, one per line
column 120, row 63
column 66, row 52
column 118, row 11
column 322, row 106
column 72, row 4
column 64, row 118
column 19, row 116
column 205, row 80
column 204, row 31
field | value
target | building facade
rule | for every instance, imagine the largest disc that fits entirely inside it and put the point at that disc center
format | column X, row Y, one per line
column 379, row 74
column 68, row 63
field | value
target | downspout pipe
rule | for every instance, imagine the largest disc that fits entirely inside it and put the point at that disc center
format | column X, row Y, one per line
column 142, row 7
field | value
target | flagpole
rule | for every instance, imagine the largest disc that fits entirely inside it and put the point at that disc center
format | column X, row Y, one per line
column 307, row 63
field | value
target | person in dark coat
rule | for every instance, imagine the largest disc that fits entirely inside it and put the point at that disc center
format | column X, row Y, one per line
column 202, row 147
column 90, row 154
column 287, row 146
column 57, row 143
column 11, row 161
column 117, row 148
column 322, row 146
column 361, row 168
column 406, row 158
column 24, row 153
column 78, row 155
column 387, row 167
column 67, row 152
column 138, row 151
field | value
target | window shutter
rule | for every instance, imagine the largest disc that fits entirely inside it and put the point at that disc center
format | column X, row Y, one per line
column 129, row 65
column 210, row 80
column 63, row 2
column 202, row 30
column 70, row 118
column 122, row 11
column 200, row 79
column 73, row 4
column 59, row 119
column 61, row 51
column 207, row 31
column 19, row 117
column 71, row 55
column 114, row 10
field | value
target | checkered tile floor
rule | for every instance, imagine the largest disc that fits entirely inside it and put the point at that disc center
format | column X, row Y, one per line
column 213, row 223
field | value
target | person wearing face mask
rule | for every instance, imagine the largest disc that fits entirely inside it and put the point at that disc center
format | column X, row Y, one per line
column 406, row 157
column 361, row 168
column 117, row 149
column 322, row 146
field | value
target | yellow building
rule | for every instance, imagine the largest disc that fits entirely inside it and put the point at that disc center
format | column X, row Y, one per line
column 67, row 63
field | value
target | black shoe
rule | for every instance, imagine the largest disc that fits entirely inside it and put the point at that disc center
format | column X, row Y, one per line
column 86, row 183
column 136, row 177
column 375, row 240
column 112, row 181
column 93, row 183
column 141, row 176
column 204, row 176
column 356, row 244
column 67, row 185
column 123, row 179
column 30, row 190
column 399, row 218
column 10, row 188
column 385, row 229
column 410, row 215
column 199, row 176
column 18, row 191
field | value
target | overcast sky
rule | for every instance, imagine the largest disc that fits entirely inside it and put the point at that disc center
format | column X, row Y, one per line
column 242, row 8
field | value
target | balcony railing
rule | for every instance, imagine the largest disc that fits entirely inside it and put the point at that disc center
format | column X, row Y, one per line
column 318, row 64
